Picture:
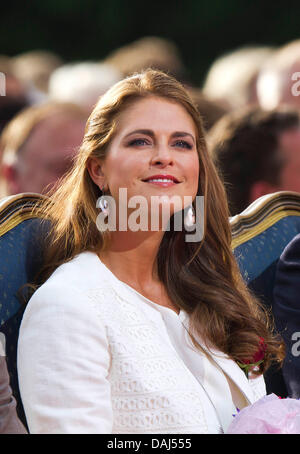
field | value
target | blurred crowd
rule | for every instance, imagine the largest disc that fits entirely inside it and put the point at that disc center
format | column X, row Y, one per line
column 249, row 102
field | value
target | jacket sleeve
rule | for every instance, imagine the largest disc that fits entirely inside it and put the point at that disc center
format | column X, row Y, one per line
column 9, row 421
column 63, row 364
column 286, row 310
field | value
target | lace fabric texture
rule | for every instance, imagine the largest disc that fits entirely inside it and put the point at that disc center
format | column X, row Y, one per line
column 150, row 389
column 95, row 357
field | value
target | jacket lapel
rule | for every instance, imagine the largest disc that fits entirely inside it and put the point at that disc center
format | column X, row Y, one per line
column 234, row 372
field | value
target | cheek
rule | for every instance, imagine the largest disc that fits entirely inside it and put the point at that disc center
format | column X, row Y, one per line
column 122, row 172
column 290, row 178
column 193, row 173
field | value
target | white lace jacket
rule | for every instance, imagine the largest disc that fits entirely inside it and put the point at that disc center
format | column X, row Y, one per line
column 94, row 358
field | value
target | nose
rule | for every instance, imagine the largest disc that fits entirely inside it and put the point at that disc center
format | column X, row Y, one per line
column 162, row 156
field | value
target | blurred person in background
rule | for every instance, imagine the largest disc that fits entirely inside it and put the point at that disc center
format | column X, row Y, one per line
column 13, row 95
column 9, row 420
column 150, row 51
column 286, row 310
column 82, row 83
column 231, row 79
column 33, row 69
column 279, row 79
column 257, row 152
column 211, row 111
column 162, row 54
column 38, row 146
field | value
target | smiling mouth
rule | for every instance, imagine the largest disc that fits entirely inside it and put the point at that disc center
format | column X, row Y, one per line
column 161, row 182
column 167, row 180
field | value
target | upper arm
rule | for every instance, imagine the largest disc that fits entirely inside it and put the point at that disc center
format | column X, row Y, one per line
column 63, row 362
column 9, row 420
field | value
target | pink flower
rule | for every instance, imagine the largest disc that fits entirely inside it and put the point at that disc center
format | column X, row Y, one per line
column 268, row 415
column 260, row 354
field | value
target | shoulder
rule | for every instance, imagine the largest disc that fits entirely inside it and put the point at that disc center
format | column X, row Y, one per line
column 288, row 267
column 76, row 278
column 68, row 287
column 291, row 251
column 83, row 272
column 287, row 286
column 61, row 308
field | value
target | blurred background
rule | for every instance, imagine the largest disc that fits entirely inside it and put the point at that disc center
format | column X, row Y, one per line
column 91, row 29
column 239, row 60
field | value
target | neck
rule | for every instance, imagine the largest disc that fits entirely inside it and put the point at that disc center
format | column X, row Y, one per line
column 131, row 256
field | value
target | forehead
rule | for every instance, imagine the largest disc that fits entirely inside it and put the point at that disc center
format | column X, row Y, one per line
column 59, row 127
column 157, row 114
column 54, row 134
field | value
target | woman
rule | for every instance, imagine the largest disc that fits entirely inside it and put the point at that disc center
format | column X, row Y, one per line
column 140, row 331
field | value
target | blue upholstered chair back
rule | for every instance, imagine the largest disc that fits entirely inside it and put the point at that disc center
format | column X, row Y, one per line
column 20, row 260
column 260, row 234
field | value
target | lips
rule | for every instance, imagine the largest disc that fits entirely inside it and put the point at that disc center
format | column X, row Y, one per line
column 162, row 178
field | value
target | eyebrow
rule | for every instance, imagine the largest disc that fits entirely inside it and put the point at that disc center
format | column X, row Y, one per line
column 149, row 132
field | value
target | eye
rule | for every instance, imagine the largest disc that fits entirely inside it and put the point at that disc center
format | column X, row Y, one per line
column 183, row 144
column 138, row 142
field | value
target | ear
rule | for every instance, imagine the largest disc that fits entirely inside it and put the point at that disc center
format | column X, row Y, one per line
column 96, row 170
column 260, row 188
column 10, row 176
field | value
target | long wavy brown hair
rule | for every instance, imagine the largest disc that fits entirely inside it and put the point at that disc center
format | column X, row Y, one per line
column 201, row 278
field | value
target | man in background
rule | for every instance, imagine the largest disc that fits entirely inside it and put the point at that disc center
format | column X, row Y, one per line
column 231, row 78
column 13, row 94
column 257, row 152
column 278, row 82
column 286, row 310
column 38, row 146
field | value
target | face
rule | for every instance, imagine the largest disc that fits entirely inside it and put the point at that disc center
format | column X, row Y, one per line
column 155, row 140
column 48, row 153
column 290, row 173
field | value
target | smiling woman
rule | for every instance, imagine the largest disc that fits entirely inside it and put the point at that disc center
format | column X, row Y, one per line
column 150, row 163
column 140, row 331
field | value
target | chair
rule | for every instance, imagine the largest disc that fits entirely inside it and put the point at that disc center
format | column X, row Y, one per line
column 20, row 259
column 259, row 235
